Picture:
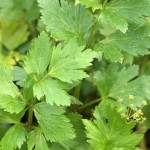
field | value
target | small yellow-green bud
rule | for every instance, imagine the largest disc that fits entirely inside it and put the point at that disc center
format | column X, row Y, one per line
column 131, row 97
column 144, row 119
column 139, row 111
column 144, row 103
column 123, row 115
column 120, row 100
column 135, row 115
column 131, row 105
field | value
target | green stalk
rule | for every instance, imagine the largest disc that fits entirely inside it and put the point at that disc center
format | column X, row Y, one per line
column 95, row 26
column 77, row 91
column 90, row 103
column 105, row 2
column 142, row 129
column 92, row 33
column 30, row 117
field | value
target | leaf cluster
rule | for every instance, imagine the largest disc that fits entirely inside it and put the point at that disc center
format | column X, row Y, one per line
column 70, row 56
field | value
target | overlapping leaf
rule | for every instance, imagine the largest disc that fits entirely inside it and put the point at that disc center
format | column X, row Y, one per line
column 108, row 132
column 65, row 21
column 39, row 56
column 95, row 4
column 10, row 6
column 53, row 92
column 6, row 117
column 36, row 140
column 55, row 126
column 16, row 10
column 10, row 98
column 76, row 121
column 65, row 64
column 146, row 111
column 110, row 52
column 14, row 137
column 116, row 83
column 14, row 33
column 10, row 104
column 3, row 127
column 135, row 42
column 118, row 13
column 19, row 75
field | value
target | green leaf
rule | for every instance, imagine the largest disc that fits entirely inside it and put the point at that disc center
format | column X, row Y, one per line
column 76, row 121
column 10, row 98
column 6, row 74
column 10, row 10
column 107, row 132
column 33, row 11
column 53, row 92
column 118, row 13
column 6, row 117
column 16, row 10
column 95, row 4
column 105, row 79
column 6, row 80
column 39, row 56
column 28, row 87
column 65, row 21
column 8, row 88
column 14, row 33
column 3, row 128
column 19, row 75
column 111, row 53
column 36, row 140
column 115, row 83
column 55, row 126
column 135, row 42
column 56, row 146
column 146, row 110
column 10, row 104
column 67, row 64
column 14, row 137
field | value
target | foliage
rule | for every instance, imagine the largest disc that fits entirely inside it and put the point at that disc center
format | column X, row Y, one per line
column 38, row 82
column 102, row 131
column 122, row 84
column 61, row 58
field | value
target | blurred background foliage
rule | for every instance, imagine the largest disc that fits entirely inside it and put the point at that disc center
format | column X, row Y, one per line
column 18, row 26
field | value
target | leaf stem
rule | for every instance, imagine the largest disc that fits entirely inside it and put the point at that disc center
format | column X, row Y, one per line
column 30, row 117
column 90, row 103
column 142, row 129
column 105, row 2
column 77, row 91
column 95, row 26
column 92, row 32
